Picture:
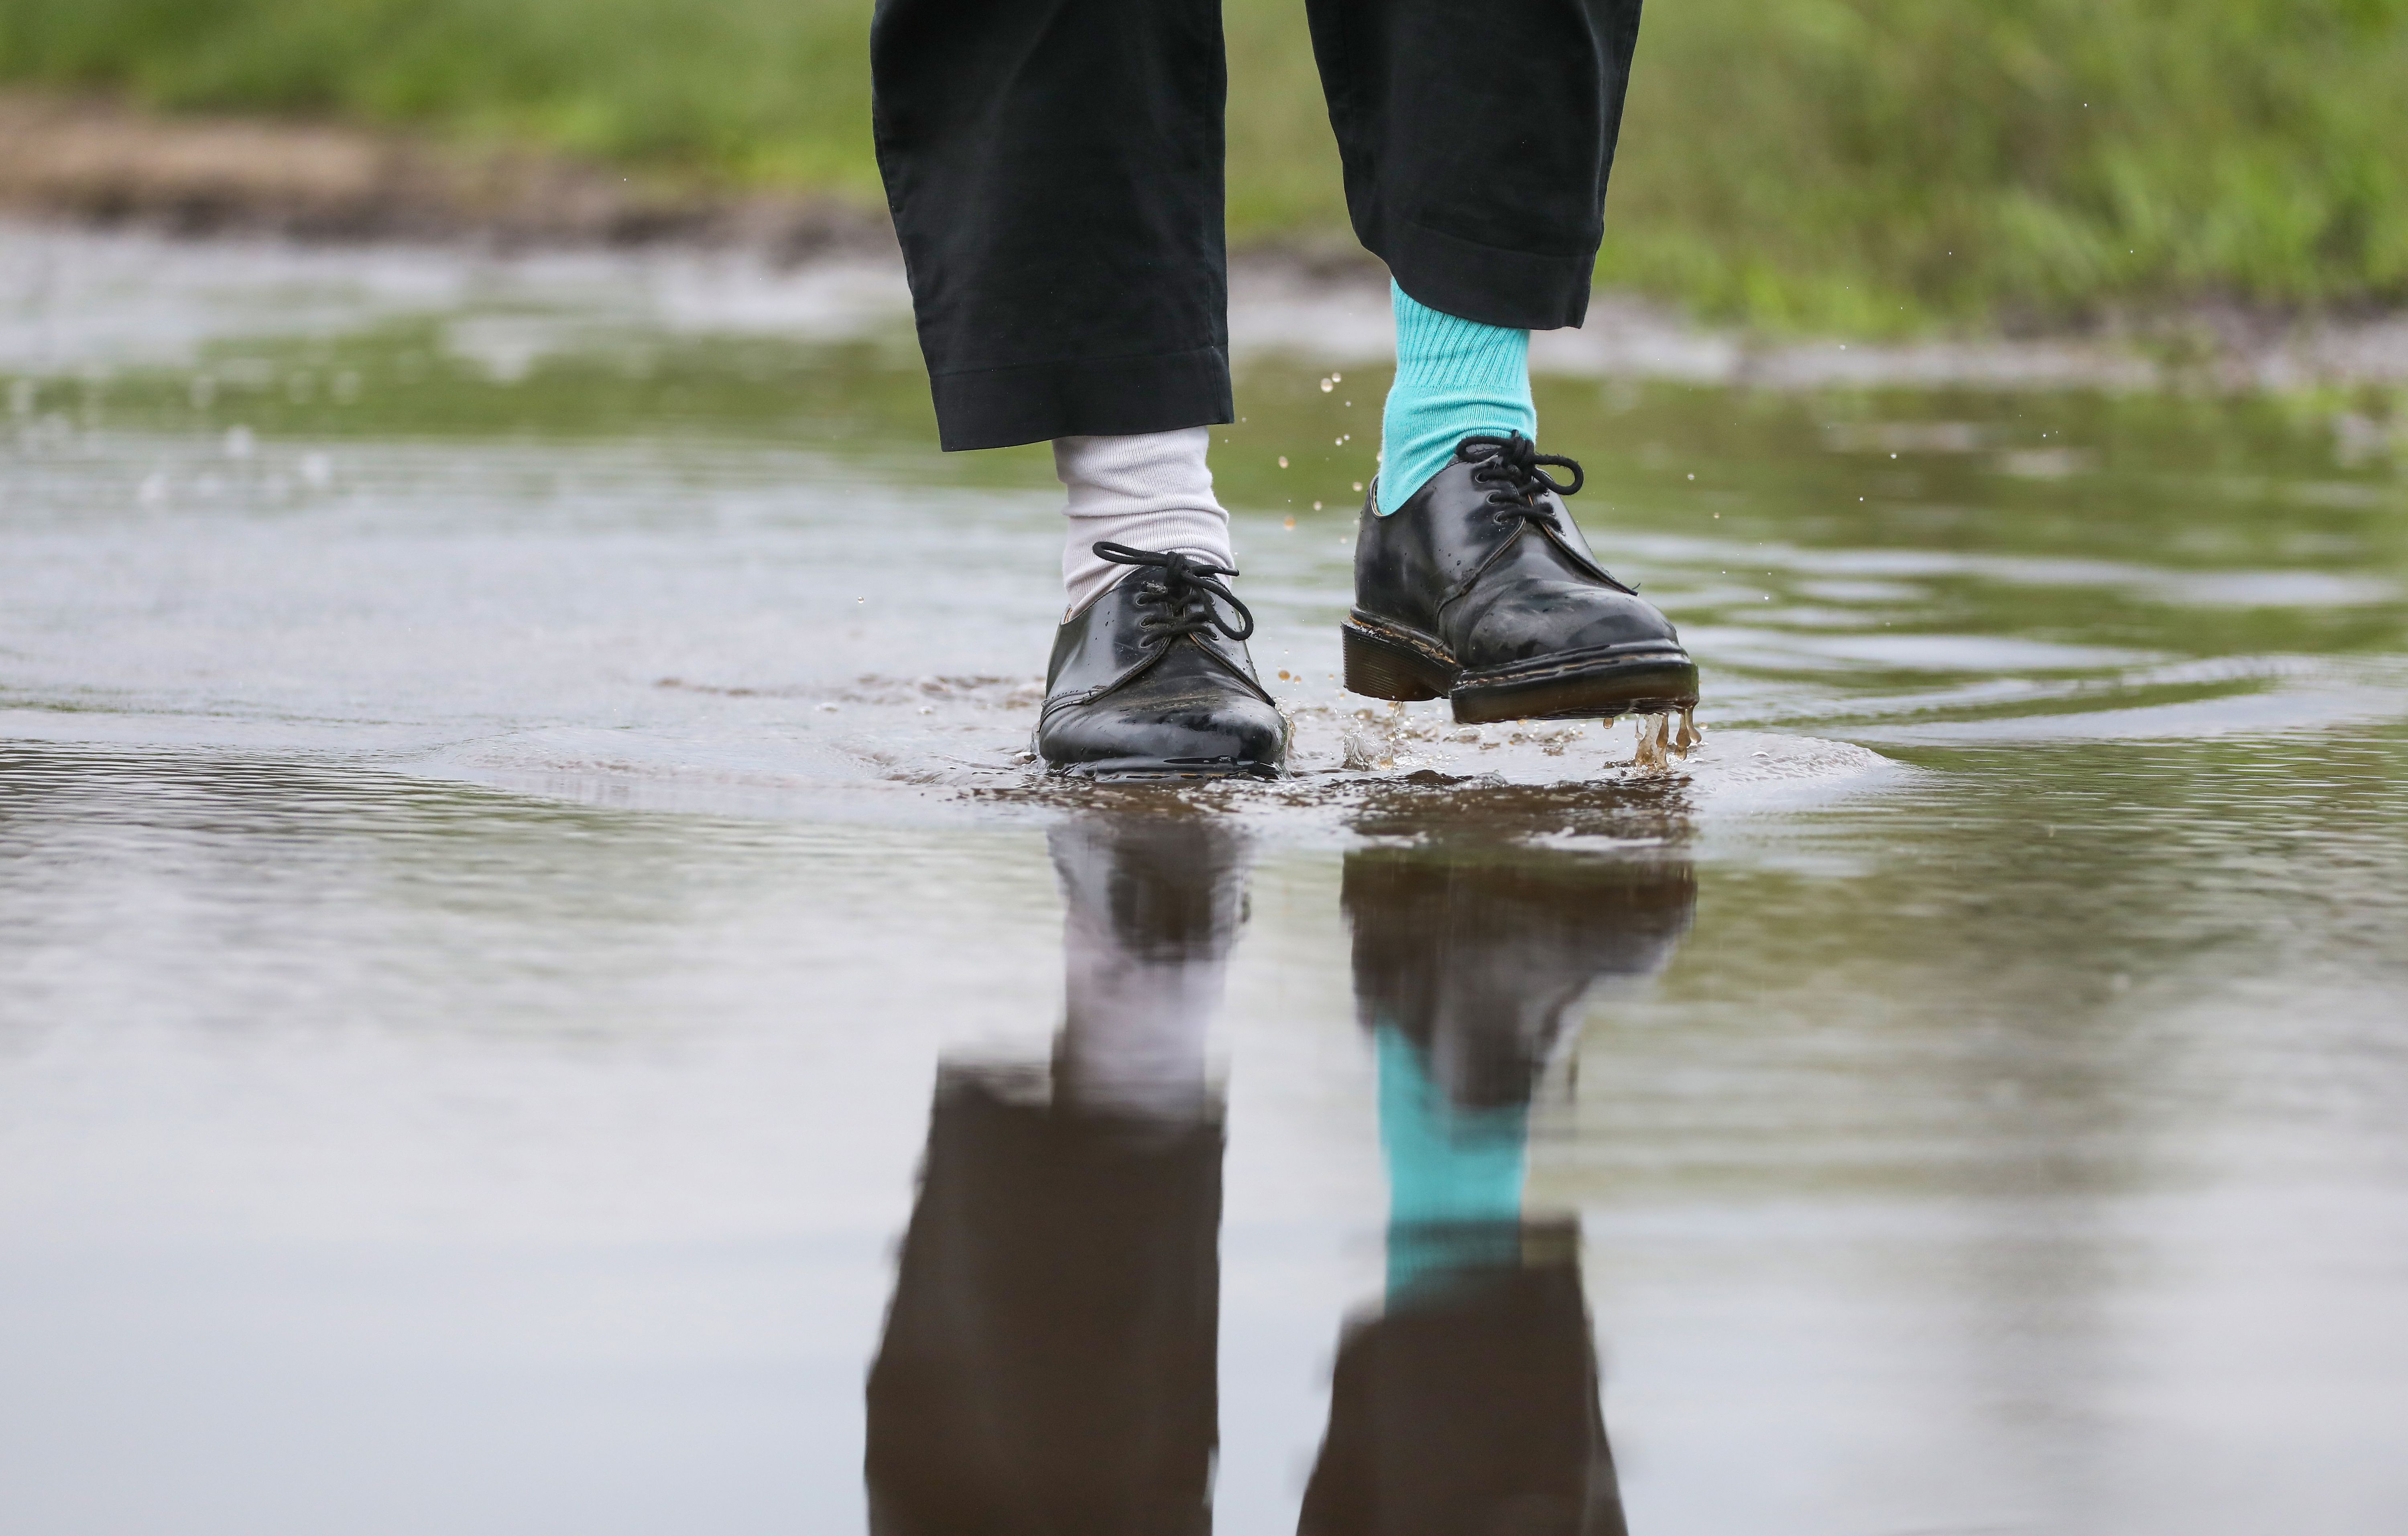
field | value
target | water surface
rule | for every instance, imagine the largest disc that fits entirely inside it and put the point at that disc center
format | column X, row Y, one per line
column 516, row 853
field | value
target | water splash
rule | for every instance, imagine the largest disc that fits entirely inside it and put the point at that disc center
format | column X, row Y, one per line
column 1665, row 738
column 1389, row 739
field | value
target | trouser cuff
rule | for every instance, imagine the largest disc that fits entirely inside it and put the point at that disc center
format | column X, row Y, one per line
column 1522, row 289
column 1094, row 397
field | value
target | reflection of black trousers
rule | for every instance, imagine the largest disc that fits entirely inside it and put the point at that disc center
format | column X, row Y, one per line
column 1054, row 169
column 1049, row 1362
column 1470, row 1406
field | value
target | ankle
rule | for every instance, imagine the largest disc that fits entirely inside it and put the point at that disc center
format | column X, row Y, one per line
column 1151, row 491
column 1456, row 378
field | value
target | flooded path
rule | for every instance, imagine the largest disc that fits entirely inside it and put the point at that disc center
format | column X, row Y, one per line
column 516, row 855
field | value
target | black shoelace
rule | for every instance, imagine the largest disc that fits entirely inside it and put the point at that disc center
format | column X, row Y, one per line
column 1184, row 590
column 1509, row 467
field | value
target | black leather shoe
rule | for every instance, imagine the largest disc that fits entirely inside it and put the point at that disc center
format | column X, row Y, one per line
column 1151, row 679
column 1481, row 589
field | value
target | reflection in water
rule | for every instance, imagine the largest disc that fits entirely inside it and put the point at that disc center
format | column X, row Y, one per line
column 1468, row 959
column 1471, row 1404
column 1048, row 1361
column 1048, row 1364
column 1469, row 1401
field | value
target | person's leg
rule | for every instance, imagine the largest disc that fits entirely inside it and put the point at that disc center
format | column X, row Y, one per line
column 1153, row 491
column 1456, row 378
column 1476, row 144
column 1476, row 157
column 1476, row 151
column 1489, row 227
column 1054, row 169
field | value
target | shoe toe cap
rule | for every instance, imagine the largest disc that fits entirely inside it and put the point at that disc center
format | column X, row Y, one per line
column 1542, row 618
column 1192, row 723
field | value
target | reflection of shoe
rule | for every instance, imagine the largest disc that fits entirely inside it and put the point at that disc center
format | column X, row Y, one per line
column 1481, row 588
column 1152, row 680
column 1477, row 955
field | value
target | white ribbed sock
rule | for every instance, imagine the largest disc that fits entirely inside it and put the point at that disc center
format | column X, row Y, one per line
column 1150, row 491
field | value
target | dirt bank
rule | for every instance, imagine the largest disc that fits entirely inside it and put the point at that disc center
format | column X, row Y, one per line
column 95, row 161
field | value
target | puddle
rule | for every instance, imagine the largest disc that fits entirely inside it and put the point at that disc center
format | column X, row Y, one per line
column 522, row 887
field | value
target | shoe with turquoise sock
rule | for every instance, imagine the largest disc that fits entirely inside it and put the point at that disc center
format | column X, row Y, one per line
column 1471, row 581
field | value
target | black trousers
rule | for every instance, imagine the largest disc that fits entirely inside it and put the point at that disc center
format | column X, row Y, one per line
column 1054, row 169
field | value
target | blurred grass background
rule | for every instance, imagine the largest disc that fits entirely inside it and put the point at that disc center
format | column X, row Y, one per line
column 1867, row 165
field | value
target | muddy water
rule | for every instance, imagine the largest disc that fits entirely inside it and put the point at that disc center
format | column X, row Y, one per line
column 538, row 992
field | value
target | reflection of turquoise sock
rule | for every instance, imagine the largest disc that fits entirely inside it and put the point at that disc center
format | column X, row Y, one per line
column 1446, row 1166
column 1456, row 378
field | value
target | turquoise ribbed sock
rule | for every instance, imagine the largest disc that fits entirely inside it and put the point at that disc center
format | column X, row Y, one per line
column 1456, row 378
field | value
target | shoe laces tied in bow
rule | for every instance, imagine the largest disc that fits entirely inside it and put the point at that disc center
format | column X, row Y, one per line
column 1183, row 589
column 1511, row 468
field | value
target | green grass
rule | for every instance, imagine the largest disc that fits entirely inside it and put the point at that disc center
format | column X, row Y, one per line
column 1862, row 165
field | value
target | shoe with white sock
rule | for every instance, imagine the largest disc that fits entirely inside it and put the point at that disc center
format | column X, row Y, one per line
column 1150, row 676
column 1152, row 680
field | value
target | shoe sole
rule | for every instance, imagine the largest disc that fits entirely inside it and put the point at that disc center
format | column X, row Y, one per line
column 1120, row 770
column 1578, row 685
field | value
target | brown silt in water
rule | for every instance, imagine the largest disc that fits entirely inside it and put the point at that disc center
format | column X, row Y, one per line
column 1665, row 738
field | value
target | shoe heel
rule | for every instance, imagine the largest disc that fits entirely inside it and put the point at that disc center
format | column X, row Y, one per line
column 1377, row 670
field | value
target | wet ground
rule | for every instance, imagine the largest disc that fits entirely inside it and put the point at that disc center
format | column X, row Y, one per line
column 516, row 857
